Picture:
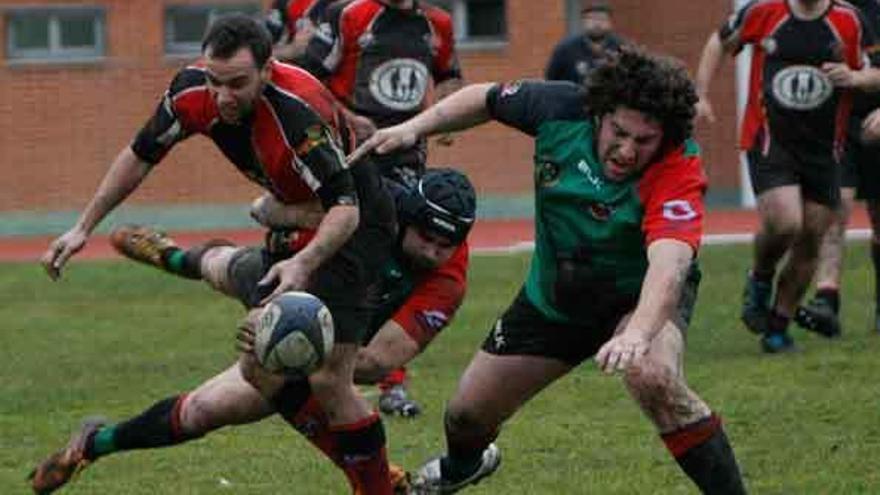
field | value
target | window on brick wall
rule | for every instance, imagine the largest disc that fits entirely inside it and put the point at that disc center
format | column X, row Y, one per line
column 477, row 22
column 54, row 33
column 186, row 24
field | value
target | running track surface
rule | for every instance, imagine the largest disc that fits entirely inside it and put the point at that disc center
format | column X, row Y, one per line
column 488, row 236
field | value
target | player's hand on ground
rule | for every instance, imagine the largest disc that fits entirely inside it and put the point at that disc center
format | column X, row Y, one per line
column 840, row 74
column 385, row 141
column 622, row 351
column 61, row 249
column 290, row 274
column 704, row 110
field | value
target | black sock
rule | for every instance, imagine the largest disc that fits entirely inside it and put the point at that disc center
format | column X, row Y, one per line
column 464, row 451
column 186, row 263
column 777, row 323
column 712, row 466
column 766, row 277
column 158, row 426
column 875, row 257
column 831, row 296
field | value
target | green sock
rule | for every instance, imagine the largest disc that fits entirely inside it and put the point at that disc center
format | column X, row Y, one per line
column 175, row 261
column 103, row 442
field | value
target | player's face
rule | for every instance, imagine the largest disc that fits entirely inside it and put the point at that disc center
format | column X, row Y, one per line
column 425, row 249
column 596, row 24
column 235, row 84
column 628, row 141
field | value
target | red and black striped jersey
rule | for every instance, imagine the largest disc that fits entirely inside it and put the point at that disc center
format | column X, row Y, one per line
column 293, row 143
column 791, row 99
column 383, row 61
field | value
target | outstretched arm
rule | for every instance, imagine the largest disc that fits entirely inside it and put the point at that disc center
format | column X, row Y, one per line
column 710, row 61
column 125, row 174
column 463, row 109
column 668, row 264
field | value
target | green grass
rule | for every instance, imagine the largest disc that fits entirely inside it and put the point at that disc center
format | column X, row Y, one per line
column 112, row 338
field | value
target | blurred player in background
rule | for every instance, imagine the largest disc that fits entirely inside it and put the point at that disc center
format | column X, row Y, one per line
column 575, row 56
column 793, row 133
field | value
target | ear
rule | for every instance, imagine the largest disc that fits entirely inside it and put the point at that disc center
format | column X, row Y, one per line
column 266, row 71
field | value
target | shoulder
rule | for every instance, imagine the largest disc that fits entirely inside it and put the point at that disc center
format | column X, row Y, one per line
column 682, row 166
column 436, row 15
column 189, row 78
column 294, row 93
column 556, row 99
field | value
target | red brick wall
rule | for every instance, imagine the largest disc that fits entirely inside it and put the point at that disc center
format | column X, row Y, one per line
column 63, row 124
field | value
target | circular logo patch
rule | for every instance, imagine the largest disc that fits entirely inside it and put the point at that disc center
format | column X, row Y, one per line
column 400, row 84
column 801, row 87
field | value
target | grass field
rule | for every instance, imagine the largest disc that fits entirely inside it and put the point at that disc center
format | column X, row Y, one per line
column 112, row 338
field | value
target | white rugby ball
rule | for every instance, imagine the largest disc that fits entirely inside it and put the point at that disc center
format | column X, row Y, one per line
column 294, row 334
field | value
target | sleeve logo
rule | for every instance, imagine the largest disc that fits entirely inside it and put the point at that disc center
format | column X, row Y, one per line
column 678, row 210
column 510, row 89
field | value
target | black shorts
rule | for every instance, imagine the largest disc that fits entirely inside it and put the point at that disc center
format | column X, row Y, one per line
column 524, row 330
column 861, row 168
column 817, row 172
column 345, row 282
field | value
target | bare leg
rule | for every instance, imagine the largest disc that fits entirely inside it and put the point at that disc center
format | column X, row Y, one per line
column 801, row 265
column 781, row 220
column 691, row 432
column 833, row 243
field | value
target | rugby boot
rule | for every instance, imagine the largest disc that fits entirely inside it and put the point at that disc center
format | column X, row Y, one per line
column 777, row 343
column 141, row 243
column 429, row 479
column 62, row 466
column 756, row 304
column 396, row 402
column 818, row 316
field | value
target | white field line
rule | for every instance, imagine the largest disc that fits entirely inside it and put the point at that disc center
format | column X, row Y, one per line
column 708, row 240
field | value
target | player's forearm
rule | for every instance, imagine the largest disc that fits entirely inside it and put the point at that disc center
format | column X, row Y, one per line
column 668, row 265
column 388, row 350
column 867, row 79
column 710, row 61
column 461, row 110
column 125, row 174
column 337, row 226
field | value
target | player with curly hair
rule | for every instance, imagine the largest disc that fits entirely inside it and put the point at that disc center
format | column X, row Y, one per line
column 619, row 206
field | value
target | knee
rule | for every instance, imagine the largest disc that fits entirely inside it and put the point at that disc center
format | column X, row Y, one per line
column 782, row 226
column 215, row 267
column 460, row 419
column 652, row 384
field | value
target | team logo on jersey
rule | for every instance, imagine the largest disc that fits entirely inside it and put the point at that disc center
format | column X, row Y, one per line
column 802, row 87
column 400, row 84
column 510, row 89
column 592, row 178
column 600, row 211
column 678, row 210
column 547, row 174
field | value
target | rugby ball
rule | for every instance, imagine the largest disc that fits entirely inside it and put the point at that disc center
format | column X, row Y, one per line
column 293, row 334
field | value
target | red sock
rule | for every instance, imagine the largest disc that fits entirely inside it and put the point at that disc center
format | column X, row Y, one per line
column 684, row 439
column 311, row 422
column 396, row 377
column 362, row 448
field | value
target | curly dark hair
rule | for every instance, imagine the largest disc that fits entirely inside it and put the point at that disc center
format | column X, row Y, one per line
column 657, row 86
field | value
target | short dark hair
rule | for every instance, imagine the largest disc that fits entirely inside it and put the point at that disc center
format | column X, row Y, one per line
column 231, row 32
column 657, row 86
